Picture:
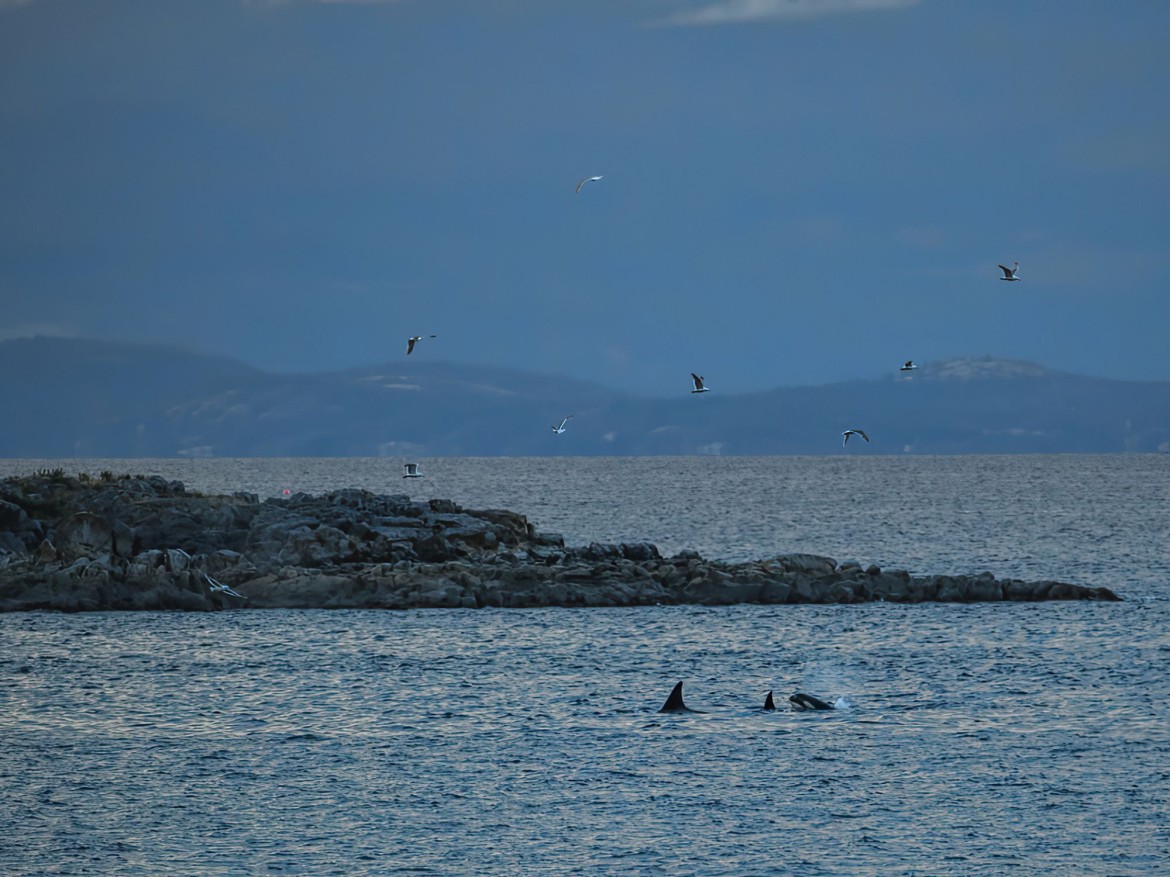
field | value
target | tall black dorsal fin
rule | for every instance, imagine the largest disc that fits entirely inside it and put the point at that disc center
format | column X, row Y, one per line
column 674, row 703
column 769, row 704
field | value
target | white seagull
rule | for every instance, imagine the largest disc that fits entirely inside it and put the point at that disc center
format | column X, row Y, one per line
column 586, row 180
column 850, row 432
column 213, row 585
column 410, row 470
column 411, row 341
column 1012, row 273
column 699, row 388
column 909, row 366
column 559, row 429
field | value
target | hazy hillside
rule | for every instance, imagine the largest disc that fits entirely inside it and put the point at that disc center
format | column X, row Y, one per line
column 69, row 397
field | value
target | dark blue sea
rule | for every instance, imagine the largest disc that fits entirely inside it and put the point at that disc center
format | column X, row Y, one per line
column 993, row 739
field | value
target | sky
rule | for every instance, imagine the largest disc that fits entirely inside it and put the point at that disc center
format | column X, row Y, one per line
column 793, row 191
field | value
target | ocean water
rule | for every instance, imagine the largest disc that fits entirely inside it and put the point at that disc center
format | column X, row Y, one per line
column 986, row 739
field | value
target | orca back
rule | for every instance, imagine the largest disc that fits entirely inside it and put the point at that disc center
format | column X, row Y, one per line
column 808, row 702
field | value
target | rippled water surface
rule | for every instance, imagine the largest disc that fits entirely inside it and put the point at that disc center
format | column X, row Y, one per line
column 990, row 739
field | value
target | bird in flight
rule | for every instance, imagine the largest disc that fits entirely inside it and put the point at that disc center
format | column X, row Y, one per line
column 559, row 429
column 698, row 381
column 217, row 586
column 587, row 180
column 908, row 366
column 411, row 341
column 1012, row 273
column 850, row 432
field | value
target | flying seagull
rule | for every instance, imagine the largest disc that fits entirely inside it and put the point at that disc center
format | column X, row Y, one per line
column 850, row 432
column 1012, row 273
column 699, row 388
column 587, row 180
column 214, row 586
column 559, row 429
column 909, row 366
column 410, row 342
column 410, row 470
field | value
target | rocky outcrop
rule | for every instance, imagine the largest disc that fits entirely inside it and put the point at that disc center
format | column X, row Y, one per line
column 134, row 542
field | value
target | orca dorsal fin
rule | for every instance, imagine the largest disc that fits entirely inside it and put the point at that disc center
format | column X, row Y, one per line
column 769, row 704
column 674, row 703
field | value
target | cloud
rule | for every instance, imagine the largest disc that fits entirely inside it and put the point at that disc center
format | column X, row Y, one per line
column 1133, row 150
column 616, row 357
column 820, row 231
column 36, row 330
column 924, row 237
column 272, row 3
column 736, row 11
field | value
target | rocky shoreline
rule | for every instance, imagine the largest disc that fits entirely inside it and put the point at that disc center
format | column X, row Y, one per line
column 123, row 542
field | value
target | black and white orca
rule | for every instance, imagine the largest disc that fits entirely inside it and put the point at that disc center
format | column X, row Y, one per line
column 808, row 702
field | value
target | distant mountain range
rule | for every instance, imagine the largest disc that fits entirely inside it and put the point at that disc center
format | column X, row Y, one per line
column 87, row 398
